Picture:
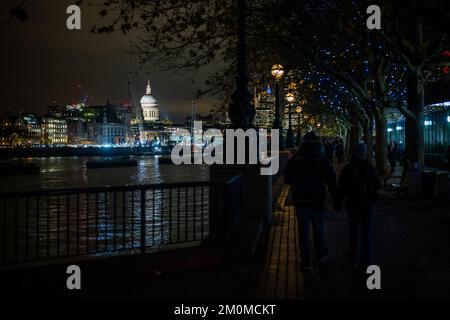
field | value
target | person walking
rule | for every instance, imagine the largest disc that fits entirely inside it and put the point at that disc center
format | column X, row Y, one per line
column 309, row 174
column 358, row 186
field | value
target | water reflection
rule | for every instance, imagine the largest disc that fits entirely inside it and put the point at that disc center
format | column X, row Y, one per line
column 63, row 172
column 101, row 222
column 104, row 222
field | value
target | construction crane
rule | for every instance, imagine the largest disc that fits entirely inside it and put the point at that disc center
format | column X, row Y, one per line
column 137, row 110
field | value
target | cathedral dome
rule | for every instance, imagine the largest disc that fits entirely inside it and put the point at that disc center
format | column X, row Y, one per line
column 148, row 99
column 150, row 108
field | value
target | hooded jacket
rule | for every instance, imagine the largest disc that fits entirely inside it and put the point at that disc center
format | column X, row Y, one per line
column 309, row 173
column 358, row 186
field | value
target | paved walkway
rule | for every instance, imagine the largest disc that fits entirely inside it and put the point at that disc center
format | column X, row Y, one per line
column 280, row 278
column 411, row 243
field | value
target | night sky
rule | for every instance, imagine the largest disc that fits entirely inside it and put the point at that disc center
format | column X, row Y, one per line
column 43, row 62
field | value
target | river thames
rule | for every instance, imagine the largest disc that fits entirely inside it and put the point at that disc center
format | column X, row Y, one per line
column 70, row 172
column 101, row 222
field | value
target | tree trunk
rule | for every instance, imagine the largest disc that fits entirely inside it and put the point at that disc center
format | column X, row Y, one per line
column 345, row 137
column 414, row 126
column 381, row 158
column 368, row 136
column 355, row 134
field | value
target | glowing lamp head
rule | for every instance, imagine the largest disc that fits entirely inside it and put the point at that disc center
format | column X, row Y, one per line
column 298, row 110
column 290, row 97
column 277, row 71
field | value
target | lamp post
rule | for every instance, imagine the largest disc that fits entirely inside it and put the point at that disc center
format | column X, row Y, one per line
column 241, row 110
column 277, row 72
column 299, row 133
column 290, row 134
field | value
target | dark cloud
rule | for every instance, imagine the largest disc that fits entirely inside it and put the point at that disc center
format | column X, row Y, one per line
column 42, row 62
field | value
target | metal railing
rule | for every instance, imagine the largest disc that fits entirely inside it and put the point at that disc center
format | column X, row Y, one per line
column 52, row 224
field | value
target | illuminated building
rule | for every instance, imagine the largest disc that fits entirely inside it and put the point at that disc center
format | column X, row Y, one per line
column 436, row 126
column 91, row 112
column 54, row 131
column 149, row 106
column 264, row 101
column 108, row 129
column 75, row 124
column 135, row 130
column 12, row 131
column 33, row 127
column 77, row 132
column 123, row 112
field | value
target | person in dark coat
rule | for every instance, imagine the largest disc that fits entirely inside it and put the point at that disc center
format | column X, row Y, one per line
column 309, row 174
column 358, row 186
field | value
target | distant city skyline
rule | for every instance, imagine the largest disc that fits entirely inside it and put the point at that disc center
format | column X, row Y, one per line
column 42, row 62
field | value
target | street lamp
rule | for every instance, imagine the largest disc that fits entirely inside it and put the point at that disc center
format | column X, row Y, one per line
column 277, row 72
column 298, row 110
column 290, row 135
column 290, row 97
